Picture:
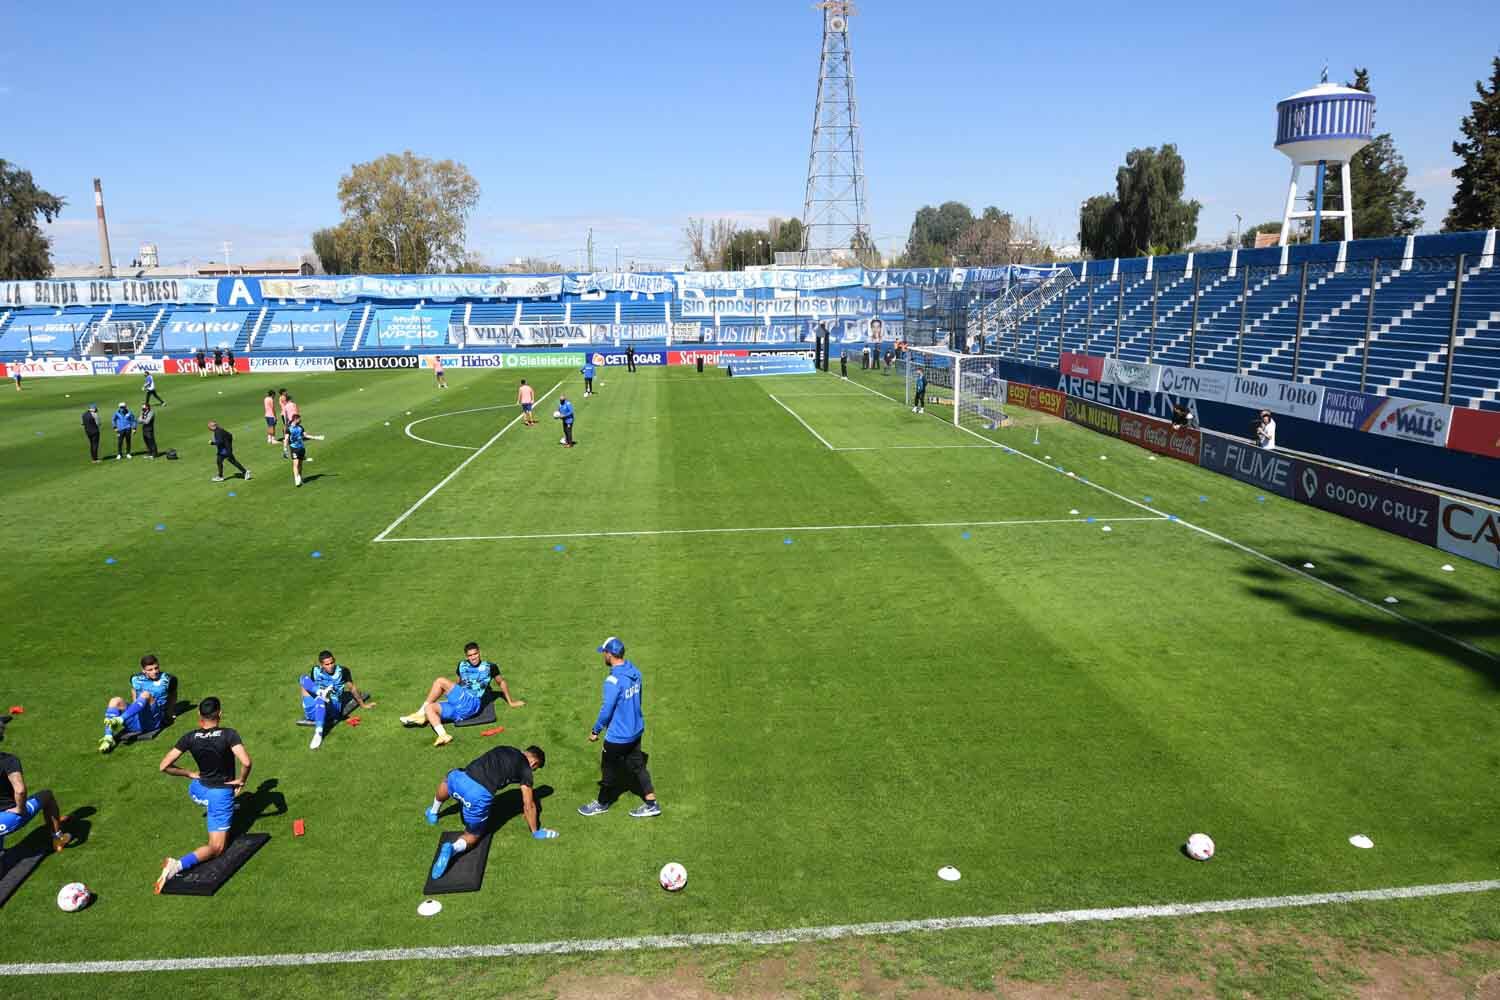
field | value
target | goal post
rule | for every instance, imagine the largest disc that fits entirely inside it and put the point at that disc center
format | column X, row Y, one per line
column 964, row 389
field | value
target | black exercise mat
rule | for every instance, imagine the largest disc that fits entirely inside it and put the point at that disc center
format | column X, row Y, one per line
column 20, row 862
column 4, row 721
column 484, row 717
column 128, row 737
column 465, row 872
column 207, row 878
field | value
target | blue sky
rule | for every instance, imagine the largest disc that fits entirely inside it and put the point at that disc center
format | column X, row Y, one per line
column 221, row 124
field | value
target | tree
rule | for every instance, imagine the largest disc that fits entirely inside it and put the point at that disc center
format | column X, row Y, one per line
column 1476, row 202
column 1147, row 213
column 788, row 237
column 337, row 250
column 987, row 239
column 745, row 247
column 934, row 232
column 695, row 242
column 25, row 251
column 406, row 213
column 1383, row 204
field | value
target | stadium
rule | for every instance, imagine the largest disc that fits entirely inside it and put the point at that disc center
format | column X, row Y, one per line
column 961, row 598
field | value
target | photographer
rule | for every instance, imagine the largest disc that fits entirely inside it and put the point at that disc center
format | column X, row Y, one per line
column 1265, row 431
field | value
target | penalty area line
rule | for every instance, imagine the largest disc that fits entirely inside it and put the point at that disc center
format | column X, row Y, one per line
column 667, row 942
column 461, row 466
column 786, row 529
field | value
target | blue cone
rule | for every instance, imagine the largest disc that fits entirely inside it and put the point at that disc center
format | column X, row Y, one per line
column 1260, row 499
column 966, row 536
column 1148, row 499
column 786, row 541
column 110, row 561
column 1088, row 520
column 161, row 527
column 232, row 493
column 317, row 555
column 557, row 548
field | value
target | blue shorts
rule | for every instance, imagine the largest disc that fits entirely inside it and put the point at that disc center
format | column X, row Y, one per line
column 474, row 797
column 526, row 407
column 310, row 705
column 271, row 422
column 145, row 721
column 218, row 801
column 10, row 822
column 459, row 705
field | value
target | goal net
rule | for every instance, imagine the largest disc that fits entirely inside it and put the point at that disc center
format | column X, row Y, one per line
column 965, row 389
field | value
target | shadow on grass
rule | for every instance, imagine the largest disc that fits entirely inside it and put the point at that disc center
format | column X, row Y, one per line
column 78, row 824
column 506, row 806
column 254, row 806
column 1476, row 623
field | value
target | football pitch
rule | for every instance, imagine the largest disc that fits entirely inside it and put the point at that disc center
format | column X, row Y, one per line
column 873, row 644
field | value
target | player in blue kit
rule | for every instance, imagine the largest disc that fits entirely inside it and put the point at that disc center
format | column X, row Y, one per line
column 214, row 786
column 587, row 371
column 323, row 690
column 449, row 701
column 17, row 807
column 147, row 709
column 475, row 788
column 296, row 444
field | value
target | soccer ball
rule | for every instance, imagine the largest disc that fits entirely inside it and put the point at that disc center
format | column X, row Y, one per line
column 73, row 897
column 1200, row 847
column 673, row 876
column 557, row 414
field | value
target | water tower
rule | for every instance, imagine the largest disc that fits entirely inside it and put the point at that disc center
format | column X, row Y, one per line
column 1322, row 127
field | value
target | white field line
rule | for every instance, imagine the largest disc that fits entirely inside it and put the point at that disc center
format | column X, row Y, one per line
column 461, row 466
column 914, row 447
column 1247, row 550
column 804, row 423
column 788, row 529
column 665, row 942
column 441, row 444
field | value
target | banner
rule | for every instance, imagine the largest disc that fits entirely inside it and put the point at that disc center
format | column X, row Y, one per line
column 446, row 286
column 618, row 359
column 129, row 366
column 770, row 364
column 1200, row 383
column 934, row 277
column 290, row 364
column 51, row 367
column 106, row 292
column 1047, row 400
column 710, row 357
column 1475, row 431
column 513, row 359
column 1147, row 432
column 1083, row 365
column 732, row 281
column 376, row 362
column 1121, row 397
column 1129, row 373
column 618, row 281
column 515, row 334
column 1388, row 506
column 1295, row 399
column 811, row 306
column 1426, row 423
column 1469, row 531
column 1096, row 418
column 1266, row 469
column 54, row 333
column 189, row 330
column 408, row 326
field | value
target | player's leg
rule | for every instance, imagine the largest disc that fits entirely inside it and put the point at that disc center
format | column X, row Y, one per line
column 635, row 766
column 440, row 687
column 610, row 782
column 47, row 802
column 476, row 800
column 114, row 724
column 220, row 805
column 438, row 798
column 315, row 710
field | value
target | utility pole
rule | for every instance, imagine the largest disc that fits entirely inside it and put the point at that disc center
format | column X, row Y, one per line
column 591, row 249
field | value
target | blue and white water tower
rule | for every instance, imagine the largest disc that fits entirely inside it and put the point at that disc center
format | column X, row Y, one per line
column 1322, row 127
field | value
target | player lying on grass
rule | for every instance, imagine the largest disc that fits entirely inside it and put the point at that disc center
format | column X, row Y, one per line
column 323, row 690
column 450, row 701
column 17, row 808
column 147, row 708
column 475, row 788
column 214, row 785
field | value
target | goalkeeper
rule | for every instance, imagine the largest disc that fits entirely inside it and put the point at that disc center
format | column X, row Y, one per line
column 322, row 690
column 919, row 398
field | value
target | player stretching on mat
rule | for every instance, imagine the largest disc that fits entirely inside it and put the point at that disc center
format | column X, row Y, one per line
column 454, row 702
column 475, row 788
column 323, row 695
column 214, row 749
column 17, row 808
column 148, row 704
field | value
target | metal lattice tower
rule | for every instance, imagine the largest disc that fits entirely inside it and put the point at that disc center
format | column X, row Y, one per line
column 835, row 216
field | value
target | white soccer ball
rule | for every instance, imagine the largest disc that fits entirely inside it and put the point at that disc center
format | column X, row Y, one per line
column 73, row 897
column 1200, row 847
column 557, row 414
column 673, row 876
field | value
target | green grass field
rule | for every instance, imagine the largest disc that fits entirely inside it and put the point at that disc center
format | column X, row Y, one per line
column 873, row 645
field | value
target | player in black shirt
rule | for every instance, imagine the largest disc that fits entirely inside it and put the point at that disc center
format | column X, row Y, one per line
column 475, row 788
column 214, row 749
column 17, row 808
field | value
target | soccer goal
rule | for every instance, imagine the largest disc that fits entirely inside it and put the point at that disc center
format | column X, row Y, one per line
column 964, row 388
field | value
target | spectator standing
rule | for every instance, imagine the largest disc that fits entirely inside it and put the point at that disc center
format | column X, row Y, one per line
column 630, row 358
column 124, row 424
column 148, row 429
column 91, row 430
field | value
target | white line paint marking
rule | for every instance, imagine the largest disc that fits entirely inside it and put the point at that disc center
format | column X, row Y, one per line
column 804, row 423
column 461, row 466
column 915, row 447
column 1254, row 553
column 454, row 413
column 666, row 942
column 747, row 531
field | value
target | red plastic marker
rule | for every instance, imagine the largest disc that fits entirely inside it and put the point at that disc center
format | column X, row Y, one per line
column 16, row 710
column 493, row 732
column 353, row 720
column 297, row 828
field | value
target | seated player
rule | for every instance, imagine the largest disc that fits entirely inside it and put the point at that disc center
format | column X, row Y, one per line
column 214, row 785
column 475, row 788
column 147, row 710
column 323, row 689
column 17, row 808
column 448, row 701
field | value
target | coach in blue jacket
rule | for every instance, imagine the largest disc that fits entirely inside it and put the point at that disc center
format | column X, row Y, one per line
column 622, row 723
